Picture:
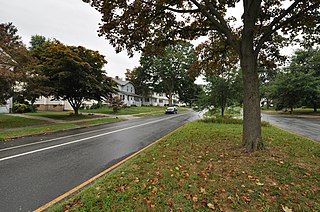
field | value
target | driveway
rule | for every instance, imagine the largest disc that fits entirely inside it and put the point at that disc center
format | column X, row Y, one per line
column 305, row 126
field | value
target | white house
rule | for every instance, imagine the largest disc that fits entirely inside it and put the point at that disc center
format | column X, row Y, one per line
column 7, row 108
column 159, row 99
column 48, row 104
column 127, row 93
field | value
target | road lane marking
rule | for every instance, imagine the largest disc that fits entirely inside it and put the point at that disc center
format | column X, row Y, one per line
column 82, row 185
column 54, row 139
column 79, row 140
column 59, row 138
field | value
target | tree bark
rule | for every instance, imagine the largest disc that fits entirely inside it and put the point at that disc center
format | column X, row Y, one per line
column 252, row 139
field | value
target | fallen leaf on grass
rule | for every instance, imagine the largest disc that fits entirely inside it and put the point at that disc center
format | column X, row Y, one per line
column 202, row 191
column 211, row 206
column 246, row 199
column 195, row 198
column 259, row 184
column 286, row 209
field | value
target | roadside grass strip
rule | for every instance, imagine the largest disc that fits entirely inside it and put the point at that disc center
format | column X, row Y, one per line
column 65, row 116
column 199, row 167
column 7, row 122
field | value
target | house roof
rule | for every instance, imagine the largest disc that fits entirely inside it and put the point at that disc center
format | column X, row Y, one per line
column 121, row 82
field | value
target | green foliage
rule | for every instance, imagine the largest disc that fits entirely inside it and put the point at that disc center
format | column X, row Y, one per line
column 168, row 72
column 23, row 108
column 222, row 90
column 300, row 85
column 15, row 60
column 96, row 105
column 75, row 73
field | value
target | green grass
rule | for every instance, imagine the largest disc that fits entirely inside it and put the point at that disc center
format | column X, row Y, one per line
column 296, row 111
column 7, row 122
column 199, row 167
column 52, row 127
column 66, row 116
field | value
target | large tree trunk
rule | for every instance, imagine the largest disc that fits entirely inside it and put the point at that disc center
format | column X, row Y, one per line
column 252, row 139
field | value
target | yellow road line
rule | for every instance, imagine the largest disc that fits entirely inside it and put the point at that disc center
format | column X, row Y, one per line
column 65, row 195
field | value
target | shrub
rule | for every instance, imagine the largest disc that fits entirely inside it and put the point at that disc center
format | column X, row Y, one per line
column 23, row 108
column 96, row 106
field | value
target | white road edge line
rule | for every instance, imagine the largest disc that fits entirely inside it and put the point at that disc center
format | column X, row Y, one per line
column 79, row 140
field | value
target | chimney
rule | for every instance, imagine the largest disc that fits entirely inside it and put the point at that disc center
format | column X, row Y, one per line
column 117, row 78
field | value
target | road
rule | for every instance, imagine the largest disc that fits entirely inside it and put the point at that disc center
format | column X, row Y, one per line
column 305, row 126
column 37, row 169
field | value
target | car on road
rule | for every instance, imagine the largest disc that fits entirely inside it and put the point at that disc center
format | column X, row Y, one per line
column 172, row 110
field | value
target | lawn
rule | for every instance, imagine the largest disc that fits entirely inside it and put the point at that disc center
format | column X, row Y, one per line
column 66, row 116
column 296, row 111
column 7, row 122
column 199, row 167
column 130, row 110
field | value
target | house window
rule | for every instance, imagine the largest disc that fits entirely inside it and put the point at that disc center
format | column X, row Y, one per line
column 131, row 90
column 127, row 89
column 128, row 98
column 147, row 99
column 160, row 101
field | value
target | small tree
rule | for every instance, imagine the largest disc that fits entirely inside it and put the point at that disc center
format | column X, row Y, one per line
column 222, row 90
column 116, row 104
column 75, row 73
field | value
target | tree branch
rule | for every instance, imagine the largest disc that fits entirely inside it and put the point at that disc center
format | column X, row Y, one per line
column 270, row 30
column 182, row 11
column 218, row 22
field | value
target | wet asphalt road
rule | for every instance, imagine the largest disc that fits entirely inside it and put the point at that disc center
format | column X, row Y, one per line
column 308, row 127
column 47, row 166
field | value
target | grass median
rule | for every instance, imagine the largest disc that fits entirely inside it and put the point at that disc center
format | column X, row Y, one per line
column 199, row 167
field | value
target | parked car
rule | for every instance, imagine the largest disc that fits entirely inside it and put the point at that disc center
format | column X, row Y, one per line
column 172, row 110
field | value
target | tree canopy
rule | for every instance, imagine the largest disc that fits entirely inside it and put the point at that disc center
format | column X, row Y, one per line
column 75, row 73
column 266, row 27
column 299, row 84
column 15, row 60
column 168, row 73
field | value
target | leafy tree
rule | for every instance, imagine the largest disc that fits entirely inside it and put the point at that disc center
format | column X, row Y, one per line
column 291, row 89
column 141, row 80
column 168, row 73
column 222, row 90
column 308, row 61
column 37, row 43
column 266, row 27
column 15, row 61
column 189, row 90
column 75, row 73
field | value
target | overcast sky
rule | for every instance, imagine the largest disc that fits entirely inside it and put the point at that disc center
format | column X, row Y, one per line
column 70, row 21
